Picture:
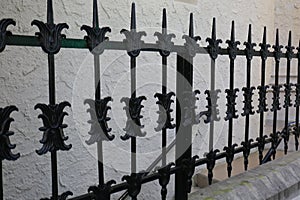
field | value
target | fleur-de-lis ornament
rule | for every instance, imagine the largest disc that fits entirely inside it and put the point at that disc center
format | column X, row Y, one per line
column 232, row 44
column 50, row 34
column 264, row 46
column 164, row 42
column 188, row 168
column 134, row 182
column 191, row 40
column 133, row 40
column 101, row 192
column 5, row 133
column 229, row 157
column 53, row 134
column 99, row 128
column 213, row 42
column 4, row 23
column 95, row 35
column 249, row 45
column 246, row 152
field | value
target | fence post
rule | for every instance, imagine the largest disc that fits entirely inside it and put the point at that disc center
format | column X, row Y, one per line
column 184, row 103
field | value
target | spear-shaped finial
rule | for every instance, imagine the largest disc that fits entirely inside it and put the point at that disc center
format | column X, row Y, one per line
column 50, row 12
column 290, row 39
column 95, row 15
column 277, row 37
column 164, row 22
column 265, row 35
column 289, row 47
column 191, row 29
column 214, row 30
column 232, row 31
column 250, row 34
column 133, row 17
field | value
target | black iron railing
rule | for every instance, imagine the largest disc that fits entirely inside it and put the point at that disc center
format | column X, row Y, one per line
column 50, row 39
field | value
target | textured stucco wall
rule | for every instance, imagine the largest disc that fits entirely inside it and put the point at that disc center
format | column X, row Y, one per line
column 23, row 81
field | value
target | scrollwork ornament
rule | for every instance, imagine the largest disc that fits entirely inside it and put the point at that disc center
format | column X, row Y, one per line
column 4, row 23
column 212, row 107
column 189, row 116
column 5, row 133
column 276, row 98
column 133, row 111
column 99, row 128
column 53, row 135
column 231, row 98
column 262, row 92
column 164, row 119
column 248, row 108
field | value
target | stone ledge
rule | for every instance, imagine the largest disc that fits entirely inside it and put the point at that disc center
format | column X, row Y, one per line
column 279, row 179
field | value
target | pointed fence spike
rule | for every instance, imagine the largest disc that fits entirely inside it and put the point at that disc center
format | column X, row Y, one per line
column 95, row 15
column 191, row 29
column 164, row 19
column 50, row 12
column 249, row 34
column 213, row 33
column 232, row 31
column 133, row 17
column 290, row 39
column 265, row 35
column 277, row 37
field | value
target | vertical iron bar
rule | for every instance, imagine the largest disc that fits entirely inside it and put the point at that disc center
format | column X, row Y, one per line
column 231, row 97
column 133, row 95
column 212, row 89
column 288, row 102
column 51, row 65
column 164, row 89
column 98, row 95
column 97, row 98
column 1, row 181
column 248, row 98
column 262, row 104
column 277, row 50
column 297, row 104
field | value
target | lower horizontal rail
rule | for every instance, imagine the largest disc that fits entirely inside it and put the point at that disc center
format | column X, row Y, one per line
column 155, row 176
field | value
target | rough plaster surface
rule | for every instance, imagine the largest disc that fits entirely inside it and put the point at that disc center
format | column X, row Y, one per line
column 277, row 180
column 23, row 81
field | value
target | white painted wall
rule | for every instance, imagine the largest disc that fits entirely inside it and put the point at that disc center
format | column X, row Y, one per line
column 23, row 81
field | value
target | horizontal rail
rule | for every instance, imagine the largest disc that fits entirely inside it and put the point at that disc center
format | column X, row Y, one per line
column 71, row 43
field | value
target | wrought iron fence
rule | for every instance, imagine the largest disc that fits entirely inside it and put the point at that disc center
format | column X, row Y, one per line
column 50, row 39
